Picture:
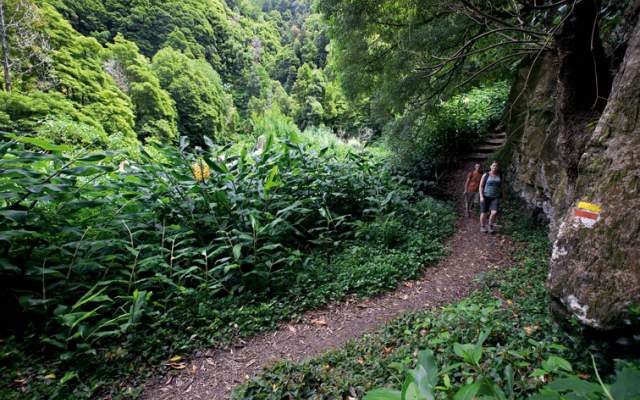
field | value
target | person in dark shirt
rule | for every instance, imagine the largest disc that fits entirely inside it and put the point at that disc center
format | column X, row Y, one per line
column 471, row 186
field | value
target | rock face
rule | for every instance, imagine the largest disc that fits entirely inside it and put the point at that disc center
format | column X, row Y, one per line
column 577, row 158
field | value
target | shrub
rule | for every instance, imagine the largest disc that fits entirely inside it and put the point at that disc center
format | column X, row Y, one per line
column 97, row 257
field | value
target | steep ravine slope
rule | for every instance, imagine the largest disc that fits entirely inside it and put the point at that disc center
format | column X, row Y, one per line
column 576, row 158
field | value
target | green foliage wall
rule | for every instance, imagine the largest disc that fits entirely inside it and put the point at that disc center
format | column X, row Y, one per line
column 202, row 105
column 154, row 108
column 206, row 29
column 252, row 45
column 76, row 89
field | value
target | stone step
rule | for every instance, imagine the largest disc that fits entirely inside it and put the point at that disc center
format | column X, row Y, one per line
column 488, row 148
column 476, row 156
column 495, row 141
column 497, row 135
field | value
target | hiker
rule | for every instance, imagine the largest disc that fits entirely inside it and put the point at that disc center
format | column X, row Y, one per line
column 471, row 186
column 490, row 193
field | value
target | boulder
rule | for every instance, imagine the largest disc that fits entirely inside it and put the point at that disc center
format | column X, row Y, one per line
column 595, row 264
column 576, row 157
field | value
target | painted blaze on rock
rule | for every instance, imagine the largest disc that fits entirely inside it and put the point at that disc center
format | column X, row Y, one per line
column 587, row 213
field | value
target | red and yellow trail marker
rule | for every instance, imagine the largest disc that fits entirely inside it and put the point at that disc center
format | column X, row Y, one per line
column 588, row 213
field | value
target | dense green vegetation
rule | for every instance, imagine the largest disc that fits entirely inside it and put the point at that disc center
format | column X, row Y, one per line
column 114, row 261
column 131, row 72
column 87, row 108
column 106, row 265
column 179, row 174
column 424, row 142
column 503, row 333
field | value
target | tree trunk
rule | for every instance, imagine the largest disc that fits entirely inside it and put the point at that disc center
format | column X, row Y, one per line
column 5, row 49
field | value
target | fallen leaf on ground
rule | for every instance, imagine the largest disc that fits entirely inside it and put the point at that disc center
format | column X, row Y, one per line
column 319, row 322
column 50, row 376
column 175, row 359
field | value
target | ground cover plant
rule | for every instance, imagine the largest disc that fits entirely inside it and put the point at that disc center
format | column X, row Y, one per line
column 108, row 270
column 502, row 335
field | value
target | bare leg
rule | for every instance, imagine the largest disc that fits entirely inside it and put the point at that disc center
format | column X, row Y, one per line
column 492, row 220
column 466, row 205
column 483, row 217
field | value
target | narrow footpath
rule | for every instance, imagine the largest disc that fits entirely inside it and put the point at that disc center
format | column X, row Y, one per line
column 212, row 374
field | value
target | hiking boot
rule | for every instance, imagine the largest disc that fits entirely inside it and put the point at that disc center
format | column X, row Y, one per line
column 483, row 229
column 490, row 229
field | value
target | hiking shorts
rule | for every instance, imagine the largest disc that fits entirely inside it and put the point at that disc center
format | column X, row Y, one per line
column 472, row 197
column 489, row 203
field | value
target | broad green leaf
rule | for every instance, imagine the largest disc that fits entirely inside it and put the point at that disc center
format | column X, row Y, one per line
column 39, row 142
column 139, row 300
column 575, row 385
column 555, row 363
column 91, row 297
column 427, row 360
column 218, row 167
column 467, row 392
column 627, row 384
column 509, row 379
column 93, row 157
column 8, row 267
column 86, row 171
column 230, row 267
column 237, row 251
column 410, row 390
column 382, row 394
column 69, row 375
column 17, row 216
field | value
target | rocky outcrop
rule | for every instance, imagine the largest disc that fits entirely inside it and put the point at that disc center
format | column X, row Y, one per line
column 577, row 158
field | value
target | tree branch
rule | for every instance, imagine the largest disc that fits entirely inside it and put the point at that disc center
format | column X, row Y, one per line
column 490, row 66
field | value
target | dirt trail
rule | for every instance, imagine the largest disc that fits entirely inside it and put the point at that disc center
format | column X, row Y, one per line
column 212, row 374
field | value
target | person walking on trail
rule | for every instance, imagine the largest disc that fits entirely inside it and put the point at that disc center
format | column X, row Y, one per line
column 490, row 193
column 471, row 186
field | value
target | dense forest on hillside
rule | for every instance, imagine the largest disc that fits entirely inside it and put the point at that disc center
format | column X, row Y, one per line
column 179, row 175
